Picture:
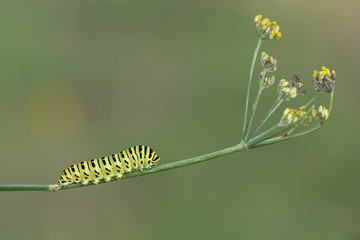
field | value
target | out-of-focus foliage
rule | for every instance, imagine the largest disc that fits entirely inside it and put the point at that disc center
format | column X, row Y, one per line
column 84, row 79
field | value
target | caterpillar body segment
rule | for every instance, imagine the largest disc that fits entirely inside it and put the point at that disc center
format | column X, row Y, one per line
column 85, row 173
column 110, row 167
column 118, row 167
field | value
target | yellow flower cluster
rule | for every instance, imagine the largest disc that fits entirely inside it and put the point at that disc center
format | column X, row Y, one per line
column 322, row 114
column 324, row 80
column 268, row 62
column 268, row 81
column 290, row 89
column 286, row 92
column 293, row 115
column 267, row 29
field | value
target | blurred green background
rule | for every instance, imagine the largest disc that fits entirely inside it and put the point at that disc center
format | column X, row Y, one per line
column 84, row 79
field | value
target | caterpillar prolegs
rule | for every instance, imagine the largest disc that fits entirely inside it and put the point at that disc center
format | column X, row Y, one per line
column 106, row 168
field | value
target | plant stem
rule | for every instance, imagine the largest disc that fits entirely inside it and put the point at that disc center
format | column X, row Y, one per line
column 255, row 141
column 248, row 127
column 331, row 101
column 249, row 85
column 272, row 141
column 259, row 137
column 160, row 168
column 267, row 116
column 29, row 187
column 311, row 100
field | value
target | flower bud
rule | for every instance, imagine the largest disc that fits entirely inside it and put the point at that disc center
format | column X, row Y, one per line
column 324, row 80
column 290, row 89
column 291, row 116
column 268, row 62
column 321, row 115
column 267, row 29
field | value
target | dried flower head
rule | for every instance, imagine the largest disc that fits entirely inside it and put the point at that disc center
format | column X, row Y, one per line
column 266, row 29
column 295, row 82
column 324, row 80
column 321, row 115
column 268, row 62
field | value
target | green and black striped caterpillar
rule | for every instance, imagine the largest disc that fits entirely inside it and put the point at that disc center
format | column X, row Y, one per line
column 106, row 168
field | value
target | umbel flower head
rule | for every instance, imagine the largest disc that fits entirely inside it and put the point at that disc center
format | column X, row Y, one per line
column 321, row 115
column 293, row 115
column 266, row 29
column 269, row 63
column 324, row 80
column 290, row 89
column 266, row 81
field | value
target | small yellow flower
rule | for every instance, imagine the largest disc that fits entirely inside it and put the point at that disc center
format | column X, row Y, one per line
column 269, row 63
column 321, row 115
column 267, row 29
column 291, row 116
column 324, row 80
column 290, row 89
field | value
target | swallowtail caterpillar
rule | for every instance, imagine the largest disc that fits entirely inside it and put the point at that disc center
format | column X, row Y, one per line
column 114, row 166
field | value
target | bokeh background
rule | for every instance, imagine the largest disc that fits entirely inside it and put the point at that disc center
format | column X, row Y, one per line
column 84, row 79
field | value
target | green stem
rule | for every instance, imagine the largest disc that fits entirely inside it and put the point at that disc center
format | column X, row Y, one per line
column 331, row 101
column 29, row 187
column 311, row 100
column 253, row 110
column 267, row 116
column 272, row 141
column 160, row 168
column 259, row 137
column 255, row 141
column 249, row 85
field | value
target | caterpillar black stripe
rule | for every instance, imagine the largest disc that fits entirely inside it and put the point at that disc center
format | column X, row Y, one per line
column 114, row 166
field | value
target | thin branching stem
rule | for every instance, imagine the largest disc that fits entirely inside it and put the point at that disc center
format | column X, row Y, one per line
column 311, row 101
column 29, row 187
column 267, row 116
column 331, row 101
column 257, row 98
column 292, row 126
column 249, row 86
column 276, row 140
column 159, row 168
column 261, row 136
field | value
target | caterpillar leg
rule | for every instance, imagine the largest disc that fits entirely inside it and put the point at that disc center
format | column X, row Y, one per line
column 85, row 182
column 95, row 181
column 107, row 179
column 118, row 175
